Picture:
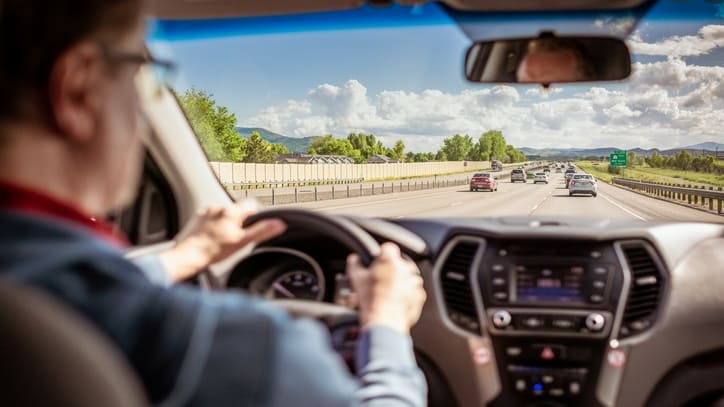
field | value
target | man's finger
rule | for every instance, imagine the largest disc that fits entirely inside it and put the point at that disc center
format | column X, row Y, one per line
column 263, row 230
column 390, row 250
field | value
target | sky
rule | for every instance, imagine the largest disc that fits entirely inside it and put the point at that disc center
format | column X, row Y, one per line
column 403, row 78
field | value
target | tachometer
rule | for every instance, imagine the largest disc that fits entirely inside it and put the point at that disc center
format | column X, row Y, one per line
column 296, row 284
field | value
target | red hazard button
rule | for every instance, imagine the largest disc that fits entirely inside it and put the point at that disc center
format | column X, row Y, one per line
column 548, row 352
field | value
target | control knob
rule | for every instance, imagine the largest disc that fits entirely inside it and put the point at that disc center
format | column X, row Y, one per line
column 502, row 319
column 595, row 322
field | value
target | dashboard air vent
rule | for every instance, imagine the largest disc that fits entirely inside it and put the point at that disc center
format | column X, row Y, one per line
column 647, row 282
column 456, row 287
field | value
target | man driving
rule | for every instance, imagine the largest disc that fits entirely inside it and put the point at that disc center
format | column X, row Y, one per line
column 71, row 148
column 551, row 60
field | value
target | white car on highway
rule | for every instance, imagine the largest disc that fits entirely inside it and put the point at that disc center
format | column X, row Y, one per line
column 540, row 177
column 583, row 184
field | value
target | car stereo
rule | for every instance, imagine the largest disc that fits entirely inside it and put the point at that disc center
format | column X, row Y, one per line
column 557, row 285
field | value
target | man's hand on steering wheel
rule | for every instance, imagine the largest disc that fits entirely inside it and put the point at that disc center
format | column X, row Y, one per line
column 214, row 234
column 390, row 291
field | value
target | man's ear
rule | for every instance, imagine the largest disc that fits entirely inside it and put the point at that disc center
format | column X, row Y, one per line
column 73, row 89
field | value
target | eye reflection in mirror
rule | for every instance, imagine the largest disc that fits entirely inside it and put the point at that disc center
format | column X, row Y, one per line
column 548, row 59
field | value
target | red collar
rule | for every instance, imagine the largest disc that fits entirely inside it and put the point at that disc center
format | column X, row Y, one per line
column 18, row 198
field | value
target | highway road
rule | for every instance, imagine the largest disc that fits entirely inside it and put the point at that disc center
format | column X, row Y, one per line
column 515, row 200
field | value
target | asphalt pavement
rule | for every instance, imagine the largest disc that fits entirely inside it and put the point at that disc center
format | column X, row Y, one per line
column 515, row 199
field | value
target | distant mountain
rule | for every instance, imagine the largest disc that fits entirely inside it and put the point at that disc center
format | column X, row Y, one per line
column 605, row 151
column 709, row 145
column 295, row 145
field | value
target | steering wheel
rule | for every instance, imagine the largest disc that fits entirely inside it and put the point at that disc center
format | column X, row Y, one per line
column 340, row 229
column 342, row 322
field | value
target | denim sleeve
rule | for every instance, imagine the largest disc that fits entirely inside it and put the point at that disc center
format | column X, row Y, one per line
column 153, row 269
column 310, row 373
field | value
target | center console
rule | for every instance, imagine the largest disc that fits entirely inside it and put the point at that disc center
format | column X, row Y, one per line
column 550, row 307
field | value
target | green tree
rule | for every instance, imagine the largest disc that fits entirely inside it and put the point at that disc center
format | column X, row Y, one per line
column 682, row 160
column 398, row 151
column 213, row 125
column 655, row 161
column 631, row 159
column 328, row 145
column 457, row 147
column 258, row 150
column 278, row 148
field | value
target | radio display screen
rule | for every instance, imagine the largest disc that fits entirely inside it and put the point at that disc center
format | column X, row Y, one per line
column 549, row 284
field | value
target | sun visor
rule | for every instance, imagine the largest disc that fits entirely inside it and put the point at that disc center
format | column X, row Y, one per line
column 204, row 9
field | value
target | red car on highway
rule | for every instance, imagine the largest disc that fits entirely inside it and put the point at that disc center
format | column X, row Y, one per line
column 483, row 180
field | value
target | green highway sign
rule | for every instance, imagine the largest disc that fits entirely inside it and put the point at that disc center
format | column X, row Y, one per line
column 618, row 159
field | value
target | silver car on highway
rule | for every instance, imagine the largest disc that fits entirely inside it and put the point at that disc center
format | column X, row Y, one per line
column 583, row 184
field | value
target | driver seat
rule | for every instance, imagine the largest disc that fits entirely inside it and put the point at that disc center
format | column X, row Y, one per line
column 52, row 357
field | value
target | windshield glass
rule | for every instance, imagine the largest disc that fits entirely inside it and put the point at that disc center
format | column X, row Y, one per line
column 311, row 109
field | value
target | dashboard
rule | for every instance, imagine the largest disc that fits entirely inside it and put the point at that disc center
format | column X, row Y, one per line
column 537, row 312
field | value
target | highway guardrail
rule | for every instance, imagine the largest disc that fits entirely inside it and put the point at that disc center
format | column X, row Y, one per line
column 690, row 194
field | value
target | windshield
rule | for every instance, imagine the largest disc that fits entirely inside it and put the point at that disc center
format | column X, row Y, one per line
column 313, row 109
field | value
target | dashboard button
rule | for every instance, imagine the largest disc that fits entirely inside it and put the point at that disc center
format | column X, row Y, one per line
column 598, row 284
column 547, row 352
column 600, row 270
column 596, row 298
column 574, row 387
column 556, row 392
column 532, row 322
column 513, row 351
column 564, row 323
column 547, row 379
column 499, row 281
column 498, row 268
column 500, row 295
column 520, row 385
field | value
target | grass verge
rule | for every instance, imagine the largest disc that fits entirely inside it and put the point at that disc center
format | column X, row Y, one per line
column 648, row 174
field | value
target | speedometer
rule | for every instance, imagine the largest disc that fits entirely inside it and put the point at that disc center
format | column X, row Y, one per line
column 296, row 284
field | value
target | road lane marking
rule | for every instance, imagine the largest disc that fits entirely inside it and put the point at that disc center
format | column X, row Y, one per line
column 622, row 207
column 379, row 201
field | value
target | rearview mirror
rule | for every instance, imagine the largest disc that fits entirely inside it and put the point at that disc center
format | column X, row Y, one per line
column 548, row 59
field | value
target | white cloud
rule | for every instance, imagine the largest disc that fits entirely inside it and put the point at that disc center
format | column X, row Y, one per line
column 616, row 26
column 665, row 104
column 707, row 38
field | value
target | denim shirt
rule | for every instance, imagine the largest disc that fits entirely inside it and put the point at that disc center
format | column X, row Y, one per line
column 191, row 347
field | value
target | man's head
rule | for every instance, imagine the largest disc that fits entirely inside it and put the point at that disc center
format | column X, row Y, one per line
column 550, row 60
column 69, row 99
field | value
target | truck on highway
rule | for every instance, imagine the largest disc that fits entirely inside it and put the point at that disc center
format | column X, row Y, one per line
column 496, row 165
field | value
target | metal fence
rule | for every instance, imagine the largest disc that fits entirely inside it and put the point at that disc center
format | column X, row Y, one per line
column 311, row 193
column 705, row 197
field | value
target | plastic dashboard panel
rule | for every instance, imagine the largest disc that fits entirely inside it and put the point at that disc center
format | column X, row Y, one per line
column 690, row 319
